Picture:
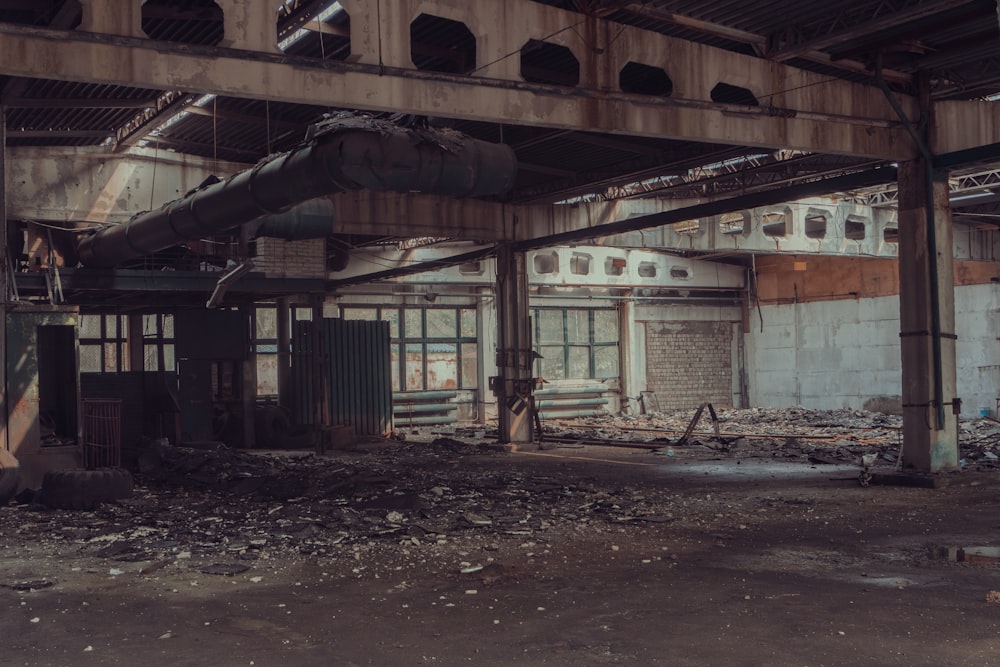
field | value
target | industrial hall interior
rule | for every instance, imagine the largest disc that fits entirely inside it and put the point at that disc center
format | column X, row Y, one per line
column 399, row 332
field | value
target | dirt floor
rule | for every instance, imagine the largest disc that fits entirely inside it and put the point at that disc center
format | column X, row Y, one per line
column 449, row 550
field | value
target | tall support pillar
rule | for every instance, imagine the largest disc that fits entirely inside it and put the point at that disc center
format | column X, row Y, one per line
column 248, row 388
column 514, row 383
column 283, row 315
column 927, row 321
column 135, row 343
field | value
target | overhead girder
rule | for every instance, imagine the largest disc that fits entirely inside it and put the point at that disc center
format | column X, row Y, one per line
column 798, row 109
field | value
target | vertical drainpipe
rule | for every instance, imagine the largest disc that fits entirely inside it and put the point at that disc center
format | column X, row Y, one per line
column 935, row 303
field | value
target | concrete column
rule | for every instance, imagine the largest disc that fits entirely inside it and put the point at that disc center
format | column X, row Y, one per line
column 284, row 354
column 248, row 389
column 320, row 417
column 136, row 352
column 633, row 357
column 251, row 26
column 930, row 437
column 514, row 382
column 117, row 18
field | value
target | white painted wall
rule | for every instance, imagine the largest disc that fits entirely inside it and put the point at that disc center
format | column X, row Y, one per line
column 837, row 354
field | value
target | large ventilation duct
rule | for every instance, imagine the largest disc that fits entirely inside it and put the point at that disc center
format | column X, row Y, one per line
column 344, row 153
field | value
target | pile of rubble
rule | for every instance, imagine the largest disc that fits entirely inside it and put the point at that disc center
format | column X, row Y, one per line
column 222, row 511
column 818, row 436
column 424, row 501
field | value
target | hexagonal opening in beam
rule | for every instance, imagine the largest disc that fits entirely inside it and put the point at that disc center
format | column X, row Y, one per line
column 185, row 21
column 776, row 223
column 737, row 222
column 315, row 31
column 544, row 62
column 643, row 79
column 854, row 228
column 815, row 224
column 442, row 45
column 729, row 94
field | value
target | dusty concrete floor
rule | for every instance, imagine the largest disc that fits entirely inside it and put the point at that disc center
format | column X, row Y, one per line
column 582, row 556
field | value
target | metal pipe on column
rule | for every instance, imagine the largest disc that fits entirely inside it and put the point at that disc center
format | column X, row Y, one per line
column 931, row 240
column 514, row 383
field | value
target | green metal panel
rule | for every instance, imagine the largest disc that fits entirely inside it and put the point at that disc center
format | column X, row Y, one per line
column 354, row 371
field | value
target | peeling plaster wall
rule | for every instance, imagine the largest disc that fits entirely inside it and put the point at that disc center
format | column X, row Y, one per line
column 846, row 354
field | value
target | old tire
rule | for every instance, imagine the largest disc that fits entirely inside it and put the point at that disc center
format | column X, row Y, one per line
column 10, row 476
column 85, row 489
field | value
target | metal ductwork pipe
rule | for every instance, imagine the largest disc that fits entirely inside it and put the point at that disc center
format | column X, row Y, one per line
column 344, row 153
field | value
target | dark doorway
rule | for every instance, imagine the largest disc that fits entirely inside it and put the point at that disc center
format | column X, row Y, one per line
column 57, row 390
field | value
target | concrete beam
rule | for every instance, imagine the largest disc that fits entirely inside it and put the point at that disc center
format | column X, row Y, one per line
column 579, row 266
column 798, row 109
column 963, row 125
column 94, row 185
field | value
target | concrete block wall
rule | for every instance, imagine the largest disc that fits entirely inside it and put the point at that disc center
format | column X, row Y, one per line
column 688, row 363
column 846, row 354
column 278, row 258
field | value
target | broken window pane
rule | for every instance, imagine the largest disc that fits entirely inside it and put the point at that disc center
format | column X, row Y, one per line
column 90, row 358
column 577, row 326
column 550, row 326
column 367, row 314
column 468, row 323
column 579, row 362
column 267, row 375
column 605, row 326
column 413, row 323
column 110, row 358
column 606, row 362
column 552, row 365
column 441, row 323
column 392, row 317
column 414, row 366
column 470, row 365
column 150, row 358
column 168, row 326
column 267, row 323
column 90, row 326
column 442, row 362
column 394, row 365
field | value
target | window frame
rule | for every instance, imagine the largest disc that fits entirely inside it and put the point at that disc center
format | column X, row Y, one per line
column 591, row 344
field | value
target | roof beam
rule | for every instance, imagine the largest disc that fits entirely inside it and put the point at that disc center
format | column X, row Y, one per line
column 247, row 119
column 58, row 134
column 698, row 25
column 866, row 28
column 76, row 103
column 758, row 42
column 837, row 117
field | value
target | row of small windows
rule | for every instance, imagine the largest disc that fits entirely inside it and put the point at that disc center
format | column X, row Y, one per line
column 436, row 44
column 581, row 264
column 777, row 224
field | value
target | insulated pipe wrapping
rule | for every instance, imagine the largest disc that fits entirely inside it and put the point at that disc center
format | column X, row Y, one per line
column 343, row 154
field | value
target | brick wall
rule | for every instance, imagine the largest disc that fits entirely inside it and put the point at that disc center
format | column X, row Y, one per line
column 291, row 259
column 688, row 363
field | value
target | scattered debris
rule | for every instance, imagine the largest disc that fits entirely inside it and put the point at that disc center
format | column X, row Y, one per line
column 224, row 512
